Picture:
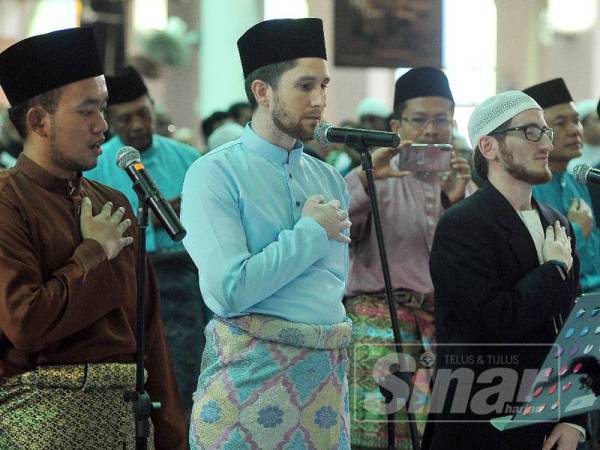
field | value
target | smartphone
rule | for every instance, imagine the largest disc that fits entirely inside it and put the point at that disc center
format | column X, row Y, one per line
column 425, row 158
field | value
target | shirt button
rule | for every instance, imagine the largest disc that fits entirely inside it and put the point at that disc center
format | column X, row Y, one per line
column 297, row 203
column 290, row 175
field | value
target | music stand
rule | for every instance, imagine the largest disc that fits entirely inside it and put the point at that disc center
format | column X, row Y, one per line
column 568, row 382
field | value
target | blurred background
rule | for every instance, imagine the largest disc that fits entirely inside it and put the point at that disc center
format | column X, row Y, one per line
column 186, row 49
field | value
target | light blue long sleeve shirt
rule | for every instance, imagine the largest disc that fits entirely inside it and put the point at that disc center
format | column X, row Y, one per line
column 559, row 193
column 166, row 161
column 241, row 206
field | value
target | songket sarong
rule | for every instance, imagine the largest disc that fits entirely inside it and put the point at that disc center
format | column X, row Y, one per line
column 373, row 339
column 268, row 383
column 69, row 407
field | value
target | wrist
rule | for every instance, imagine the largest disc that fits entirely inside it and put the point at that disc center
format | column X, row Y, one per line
column 561, row 267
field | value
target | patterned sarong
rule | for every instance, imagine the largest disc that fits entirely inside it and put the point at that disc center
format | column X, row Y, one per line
column 371, row 328
column 69, row 407
column 268, row 383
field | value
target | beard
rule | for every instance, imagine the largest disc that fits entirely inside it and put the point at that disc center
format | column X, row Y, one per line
column 521, row 173
column 281, row 120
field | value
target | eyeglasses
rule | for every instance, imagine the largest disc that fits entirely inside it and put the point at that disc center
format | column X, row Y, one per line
column 532, row 133
column 421, row 122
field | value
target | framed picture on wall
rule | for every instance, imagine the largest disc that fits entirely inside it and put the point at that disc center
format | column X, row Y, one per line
column 388, row 33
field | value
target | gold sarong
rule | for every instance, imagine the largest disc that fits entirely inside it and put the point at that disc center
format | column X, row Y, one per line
column 69, row 407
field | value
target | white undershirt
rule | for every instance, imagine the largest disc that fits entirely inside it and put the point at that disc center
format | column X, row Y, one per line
column 532, row 221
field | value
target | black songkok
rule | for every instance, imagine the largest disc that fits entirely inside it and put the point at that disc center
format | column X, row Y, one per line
column 48, row 61
column 421, row 82
column 126, row 87
column 279, row 40
column 550, row 93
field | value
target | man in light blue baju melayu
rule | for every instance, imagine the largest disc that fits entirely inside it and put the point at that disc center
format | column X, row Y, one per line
column 132, row 119
column 566, row 195
column 562, row 191
column 267, row 226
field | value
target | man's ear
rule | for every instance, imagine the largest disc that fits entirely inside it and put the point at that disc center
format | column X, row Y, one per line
column 489, row 147
column 38, row 120
column 262, row 93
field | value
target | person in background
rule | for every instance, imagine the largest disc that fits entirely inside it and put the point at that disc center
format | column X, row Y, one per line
column 588, row 116
column 373, row 114
column 562, row 192
column 241, row 113
column 11, row 144
column 594, row 189
column 410, row 205
column 342, row 157
column 214, row 121
column 229, row 131
column 130, row 114
column 68, row 259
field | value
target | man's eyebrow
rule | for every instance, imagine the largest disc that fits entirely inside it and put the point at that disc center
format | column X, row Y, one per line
column 566, row 116
column 92, row 101
column 307, row 78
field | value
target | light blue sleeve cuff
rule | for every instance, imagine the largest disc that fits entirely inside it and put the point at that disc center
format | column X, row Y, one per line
column 320, row 233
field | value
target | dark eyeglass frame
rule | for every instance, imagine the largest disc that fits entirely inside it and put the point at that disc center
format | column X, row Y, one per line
column 549, row 132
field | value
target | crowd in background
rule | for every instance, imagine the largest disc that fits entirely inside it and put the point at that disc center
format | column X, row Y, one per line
column 581, row 143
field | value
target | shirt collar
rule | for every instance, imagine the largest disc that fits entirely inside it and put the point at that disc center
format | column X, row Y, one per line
column 257, row 144
column 559, row 178
column 144, row 155
column 45, row 179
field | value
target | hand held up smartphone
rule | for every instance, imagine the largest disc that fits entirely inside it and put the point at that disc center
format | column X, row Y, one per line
column 425, row 158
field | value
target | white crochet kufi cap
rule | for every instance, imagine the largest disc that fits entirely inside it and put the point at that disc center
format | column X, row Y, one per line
column 496, row 110
column 372, row 106
column 229, row 131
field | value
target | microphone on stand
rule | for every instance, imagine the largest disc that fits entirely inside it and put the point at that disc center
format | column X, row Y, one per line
column 128, row 159
column 326, row 134
column 586, row 174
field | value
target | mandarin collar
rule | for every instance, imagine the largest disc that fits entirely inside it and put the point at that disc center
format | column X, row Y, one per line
column 144, row 154
column 45, row 179
column 559, row 178
column 257, row 144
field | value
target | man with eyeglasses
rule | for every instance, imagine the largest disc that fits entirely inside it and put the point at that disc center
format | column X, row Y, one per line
column 504, row 271
column 567, row 195
column 411, row 205
column 562, row 192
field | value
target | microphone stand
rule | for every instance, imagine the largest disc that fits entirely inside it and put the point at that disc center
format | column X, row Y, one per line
column 142, row 405
column 357, row 143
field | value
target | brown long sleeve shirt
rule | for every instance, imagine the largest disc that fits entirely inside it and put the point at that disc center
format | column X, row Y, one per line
column 63, row 302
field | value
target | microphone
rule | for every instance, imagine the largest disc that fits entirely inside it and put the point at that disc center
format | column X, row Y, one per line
column 326, row 134
column 128, row 158
column 584, row 173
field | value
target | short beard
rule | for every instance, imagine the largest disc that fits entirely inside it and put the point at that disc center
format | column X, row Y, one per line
column 519, row 172
column 280, row 115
